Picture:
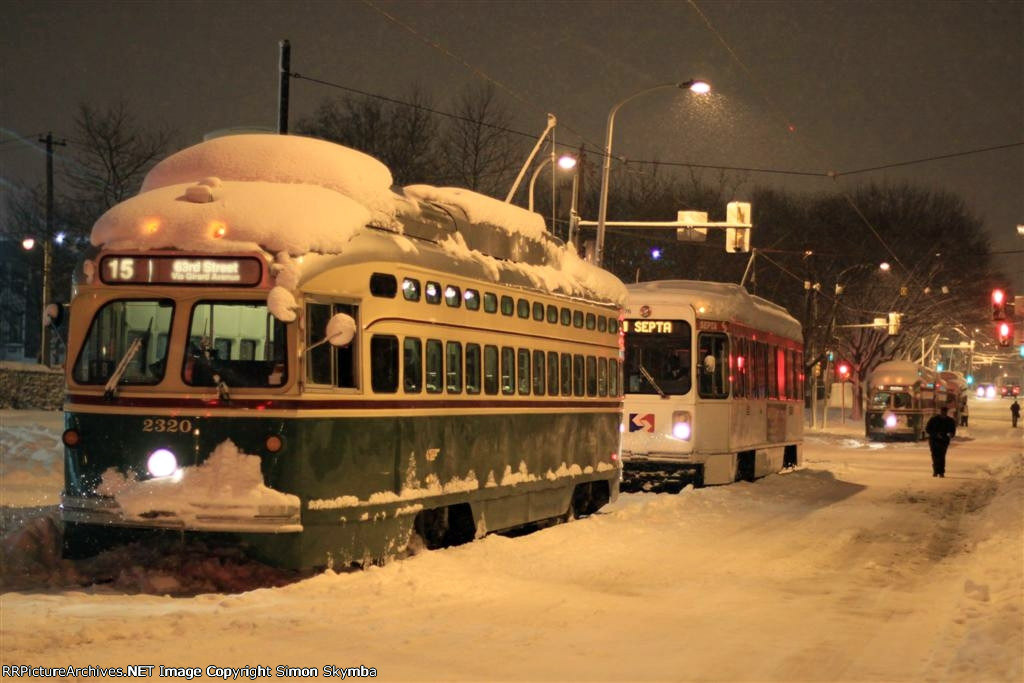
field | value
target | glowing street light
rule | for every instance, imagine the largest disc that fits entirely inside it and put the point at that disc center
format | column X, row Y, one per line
column 696, row 86
column 566, row 162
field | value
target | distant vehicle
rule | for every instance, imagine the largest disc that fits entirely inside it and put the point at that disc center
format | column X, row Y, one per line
column 902, row 396
column 1008, row 386
column 956, row 395
column 713, row 385
column 985, row 391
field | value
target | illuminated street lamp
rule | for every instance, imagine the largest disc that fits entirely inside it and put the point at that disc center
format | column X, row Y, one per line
column 699, row 87
column 566, row 162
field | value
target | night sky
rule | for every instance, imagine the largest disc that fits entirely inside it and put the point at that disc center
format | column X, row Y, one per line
column 799, row 86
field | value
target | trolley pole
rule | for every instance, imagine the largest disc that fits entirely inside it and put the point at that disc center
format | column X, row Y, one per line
column 282, row 92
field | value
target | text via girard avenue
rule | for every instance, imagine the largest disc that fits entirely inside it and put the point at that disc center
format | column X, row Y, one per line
column 224, row 673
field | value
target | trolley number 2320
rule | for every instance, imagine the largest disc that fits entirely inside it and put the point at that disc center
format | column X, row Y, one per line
column 159, row 424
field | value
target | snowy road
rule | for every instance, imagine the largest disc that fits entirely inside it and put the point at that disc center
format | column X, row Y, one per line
column 858, row 567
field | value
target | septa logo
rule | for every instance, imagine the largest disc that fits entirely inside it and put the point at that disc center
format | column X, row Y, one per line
column 641, row 422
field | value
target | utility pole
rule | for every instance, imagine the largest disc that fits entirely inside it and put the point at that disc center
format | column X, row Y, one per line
column 282, row 92
column 44, row 337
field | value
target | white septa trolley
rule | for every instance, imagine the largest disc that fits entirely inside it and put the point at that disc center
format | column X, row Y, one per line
column 713, row 381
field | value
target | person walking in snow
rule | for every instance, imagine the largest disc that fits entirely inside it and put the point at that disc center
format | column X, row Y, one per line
column 941, row 429
column 1014, row 412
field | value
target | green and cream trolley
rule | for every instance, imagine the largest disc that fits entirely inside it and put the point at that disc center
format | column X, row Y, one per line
column 713, row 381
column 269, row 343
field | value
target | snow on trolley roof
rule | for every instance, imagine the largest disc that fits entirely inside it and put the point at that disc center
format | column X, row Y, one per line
column 901, row 372
column 290, row 196
column 721, row 301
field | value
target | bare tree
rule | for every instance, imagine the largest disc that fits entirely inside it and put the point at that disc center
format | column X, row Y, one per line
column 115, row 152
column 477, row 149
column 402, row 136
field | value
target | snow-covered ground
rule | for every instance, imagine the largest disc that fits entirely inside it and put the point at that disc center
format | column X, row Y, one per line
column 857, row 567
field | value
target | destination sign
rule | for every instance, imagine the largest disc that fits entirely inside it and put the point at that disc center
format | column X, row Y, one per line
column 650, row 326
column 181, row 270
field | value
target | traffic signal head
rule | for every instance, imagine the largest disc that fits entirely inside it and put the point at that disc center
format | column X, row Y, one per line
column 1004, row 333
column 998, row 304
column 843, row 370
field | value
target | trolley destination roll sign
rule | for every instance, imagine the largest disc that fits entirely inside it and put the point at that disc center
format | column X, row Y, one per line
column 181, row 270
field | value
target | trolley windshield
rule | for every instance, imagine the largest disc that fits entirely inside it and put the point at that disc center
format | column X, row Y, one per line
column 658, row 356
column 886, row 399
column 237, row 343
column 114, row 331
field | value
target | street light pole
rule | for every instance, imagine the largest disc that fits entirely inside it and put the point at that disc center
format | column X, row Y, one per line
column 44, row 346
column 602, row 212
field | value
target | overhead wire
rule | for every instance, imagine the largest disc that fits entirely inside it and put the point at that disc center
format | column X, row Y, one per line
column 755, row 84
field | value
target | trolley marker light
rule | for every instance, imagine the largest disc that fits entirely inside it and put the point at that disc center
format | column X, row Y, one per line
column 162, row 463
column 70, row 437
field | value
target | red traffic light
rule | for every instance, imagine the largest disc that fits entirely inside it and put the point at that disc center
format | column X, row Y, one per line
column 998, row 304
column 1004, row 333
column 843, row 370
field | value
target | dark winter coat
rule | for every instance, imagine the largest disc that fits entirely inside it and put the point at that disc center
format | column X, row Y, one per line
column 1015, row 409
column 941, row 429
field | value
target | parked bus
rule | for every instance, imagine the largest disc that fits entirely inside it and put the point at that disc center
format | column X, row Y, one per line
column 713, row 385
column 901, row 397
column 271, row 345
column 956, row 395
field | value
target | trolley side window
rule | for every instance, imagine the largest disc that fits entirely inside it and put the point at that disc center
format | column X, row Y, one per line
column 435, row 366
column 213, row 356
column 552, row 373
column 454, row 365
column 508, row 370
column 523, row 372
column 114, row 330
column 538, row 373
column 473, row 366
column 713, row 348
column 412, row 367
column 326, row 364
column 384, row 363
column 490, row 369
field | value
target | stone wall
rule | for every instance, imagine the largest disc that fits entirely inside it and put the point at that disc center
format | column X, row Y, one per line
column 23, row 385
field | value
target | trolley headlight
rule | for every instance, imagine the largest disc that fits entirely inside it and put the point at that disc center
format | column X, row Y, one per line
column 890, row 421
column 682, row 425
column 162, row 463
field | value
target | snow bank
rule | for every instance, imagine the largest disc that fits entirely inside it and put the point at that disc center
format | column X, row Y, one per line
column 229, row 482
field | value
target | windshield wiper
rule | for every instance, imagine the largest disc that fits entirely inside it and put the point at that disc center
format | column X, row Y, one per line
column 110, row 390
column 649, row 378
